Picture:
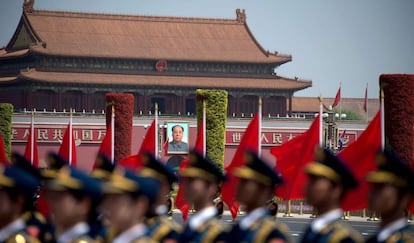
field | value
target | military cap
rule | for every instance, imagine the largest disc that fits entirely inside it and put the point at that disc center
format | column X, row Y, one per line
column 202, row 167
column 103, row 167
column 13, row 177
column 392, row 169
column 55, row 163
column 258, row 170
column 71, row 179
column 154, row 168
column 328, row 165
column 124, row 181
column 24, row 164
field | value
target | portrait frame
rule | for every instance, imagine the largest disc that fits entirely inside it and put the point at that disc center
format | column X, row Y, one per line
column 175, row 149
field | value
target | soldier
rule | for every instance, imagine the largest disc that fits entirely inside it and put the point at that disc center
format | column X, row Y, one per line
column 392, row 189
column 102, row 170
column 72, row 197
column 329, row 181
column 37, row 225
column 257, row 182
column 54, row 164
column 161, row 228
column 16, row 190
column 201, row 179
column 127, row 200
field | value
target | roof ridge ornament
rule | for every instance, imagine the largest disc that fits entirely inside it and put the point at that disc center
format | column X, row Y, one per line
column 241, row 15
column 28, row 6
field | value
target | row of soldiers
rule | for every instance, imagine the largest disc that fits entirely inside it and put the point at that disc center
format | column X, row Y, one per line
column 116, row 205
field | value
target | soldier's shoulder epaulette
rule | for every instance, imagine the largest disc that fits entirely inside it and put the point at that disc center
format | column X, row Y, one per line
column 216, row 223
column 26, row 216
column 36, row 215
column 83, row 239
column 341, row 231
column 152, row 221
column 268, row 227
column 143, row 240
column 39, row 217
column 172, row 224
column 406, row 235
column 213, row 229
column 22, row 238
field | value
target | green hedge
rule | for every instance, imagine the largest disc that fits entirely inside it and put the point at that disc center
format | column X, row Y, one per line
column 216, row 115
column 6, row 114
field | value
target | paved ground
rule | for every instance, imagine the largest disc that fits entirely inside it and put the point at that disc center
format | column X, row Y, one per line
column 298, row 223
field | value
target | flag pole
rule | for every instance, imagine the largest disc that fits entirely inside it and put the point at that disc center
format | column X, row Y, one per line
column 113, row 134
column 32, row 138
column 259, row 149
column 204, row 128
column 70, row 136
column 320, row 121
column 382, row 119
column 366, row 102
column 340, row 100
column 156, row 131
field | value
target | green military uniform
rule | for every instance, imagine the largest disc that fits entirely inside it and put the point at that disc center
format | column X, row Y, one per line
column 392, row 170
column 329, row 227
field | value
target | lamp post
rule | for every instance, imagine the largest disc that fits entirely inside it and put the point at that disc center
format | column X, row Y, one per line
column 331, row 128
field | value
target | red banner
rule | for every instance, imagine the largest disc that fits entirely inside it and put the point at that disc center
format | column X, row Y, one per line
column 278, row 136
column 84, row 134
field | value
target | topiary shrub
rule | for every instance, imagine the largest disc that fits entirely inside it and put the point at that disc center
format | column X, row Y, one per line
column 399, row 107
column 6, row 114
column 216, row 115
column 124, row 109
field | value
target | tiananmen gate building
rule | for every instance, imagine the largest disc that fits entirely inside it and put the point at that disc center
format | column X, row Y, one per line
column 58, row 60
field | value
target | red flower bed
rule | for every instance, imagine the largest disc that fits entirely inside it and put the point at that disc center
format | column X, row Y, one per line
column 399, row 113
column 124, row 109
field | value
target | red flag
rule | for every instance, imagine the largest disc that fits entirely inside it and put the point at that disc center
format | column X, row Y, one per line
column 3, row 156
column 200, row 142
column 200, row 148
column 179, row 200
column 31, row 151
column 134, row 162
column 165, row 147
column 337, row 98
column 411, row 208
column 249, row 141
column 131, row 162
column 41, row 204
column 360, row 158
column 106, row 145
column 366, row 99
column 291, row 159
column 67, row 149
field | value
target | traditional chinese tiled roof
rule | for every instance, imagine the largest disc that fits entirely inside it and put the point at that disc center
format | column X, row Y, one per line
column 266, row 83
column 138, row 37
